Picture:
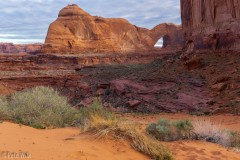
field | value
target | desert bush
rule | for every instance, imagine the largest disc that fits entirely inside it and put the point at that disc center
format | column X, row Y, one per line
column 4, row 108
column 166, row 130
column 206, row 130
column 41, row 107
column 235, row 140
column 102, row 123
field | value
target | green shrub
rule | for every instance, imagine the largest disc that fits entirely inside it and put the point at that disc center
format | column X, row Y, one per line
column 41, row 107
column 184, row 128
column 170, row 130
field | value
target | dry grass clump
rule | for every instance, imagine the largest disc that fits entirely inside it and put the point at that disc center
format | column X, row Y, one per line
column 167, row 130
column 39, row 107
column 211, row 132
column 103, row 125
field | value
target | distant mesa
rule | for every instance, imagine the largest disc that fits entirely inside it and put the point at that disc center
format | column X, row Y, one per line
column 10, row 48
column 76, row 32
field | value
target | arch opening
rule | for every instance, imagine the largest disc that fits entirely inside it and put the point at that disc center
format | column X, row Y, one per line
column 159, row 43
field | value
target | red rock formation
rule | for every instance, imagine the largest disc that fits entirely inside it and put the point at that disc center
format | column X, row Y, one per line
column 75, row 31
column 20, row 48
column 29, row 48
column 8, row 48
column 211, row 24
column 172, row 35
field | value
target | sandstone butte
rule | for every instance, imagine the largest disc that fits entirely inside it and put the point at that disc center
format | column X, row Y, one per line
column 76, row 31
column 211, row 24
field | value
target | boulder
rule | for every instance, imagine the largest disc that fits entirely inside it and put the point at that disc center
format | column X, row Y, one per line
column 218, row 87
column 133, row 103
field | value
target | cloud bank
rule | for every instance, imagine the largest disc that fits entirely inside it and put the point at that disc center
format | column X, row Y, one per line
column 27, row 21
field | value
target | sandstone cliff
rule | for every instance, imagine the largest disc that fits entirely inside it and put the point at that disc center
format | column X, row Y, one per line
column 75, row 31
column 211, row 24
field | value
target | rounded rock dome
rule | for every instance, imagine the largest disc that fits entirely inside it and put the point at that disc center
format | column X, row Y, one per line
column 72, row 10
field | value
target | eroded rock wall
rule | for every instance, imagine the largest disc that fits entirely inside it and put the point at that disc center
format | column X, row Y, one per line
column 211, row 24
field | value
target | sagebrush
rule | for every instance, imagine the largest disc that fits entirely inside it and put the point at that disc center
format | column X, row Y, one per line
column 167, row 130
column 39, row 107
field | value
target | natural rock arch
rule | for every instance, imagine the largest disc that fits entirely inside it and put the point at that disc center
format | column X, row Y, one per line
column 76, row 31
column 171, row 34
column 159, row 43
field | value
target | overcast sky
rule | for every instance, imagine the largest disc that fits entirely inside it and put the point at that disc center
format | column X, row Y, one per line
column 27, row 21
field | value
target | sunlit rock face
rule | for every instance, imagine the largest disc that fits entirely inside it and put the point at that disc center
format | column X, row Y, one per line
column 211, row 24
column 76, row 32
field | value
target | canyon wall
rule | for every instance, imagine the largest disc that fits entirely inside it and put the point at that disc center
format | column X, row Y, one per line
column 10, row 48
column 211, row 24
column 76, row 31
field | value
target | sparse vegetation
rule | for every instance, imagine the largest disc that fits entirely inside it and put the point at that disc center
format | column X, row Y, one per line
column 39, row 107
column 206, row 130
column 200, row 129
column 235, row 140
column 43, row 107
column 88, row 114
column 166, row 130
column 3, row 108
column 102, row 123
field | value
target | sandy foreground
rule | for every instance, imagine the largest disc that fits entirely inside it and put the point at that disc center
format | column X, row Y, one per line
column 69, row 144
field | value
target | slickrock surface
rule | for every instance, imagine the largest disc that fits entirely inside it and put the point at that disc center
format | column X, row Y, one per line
column 76, row 31
column 211, row 24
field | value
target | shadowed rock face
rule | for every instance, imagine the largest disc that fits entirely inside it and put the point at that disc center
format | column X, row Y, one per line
column 211, row 24
column 75, row 32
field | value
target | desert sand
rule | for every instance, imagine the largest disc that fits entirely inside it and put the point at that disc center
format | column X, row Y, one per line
column 69, row 144
column 62, row 144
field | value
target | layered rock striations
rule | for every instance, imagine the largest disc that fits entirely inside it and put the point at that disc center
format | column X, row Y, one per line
column 211, row 24
column 75, row 32
column 10, row 48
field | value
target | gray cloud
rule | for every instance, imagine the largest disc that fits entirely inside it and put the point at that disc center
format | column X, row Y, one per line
column 27, row 21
